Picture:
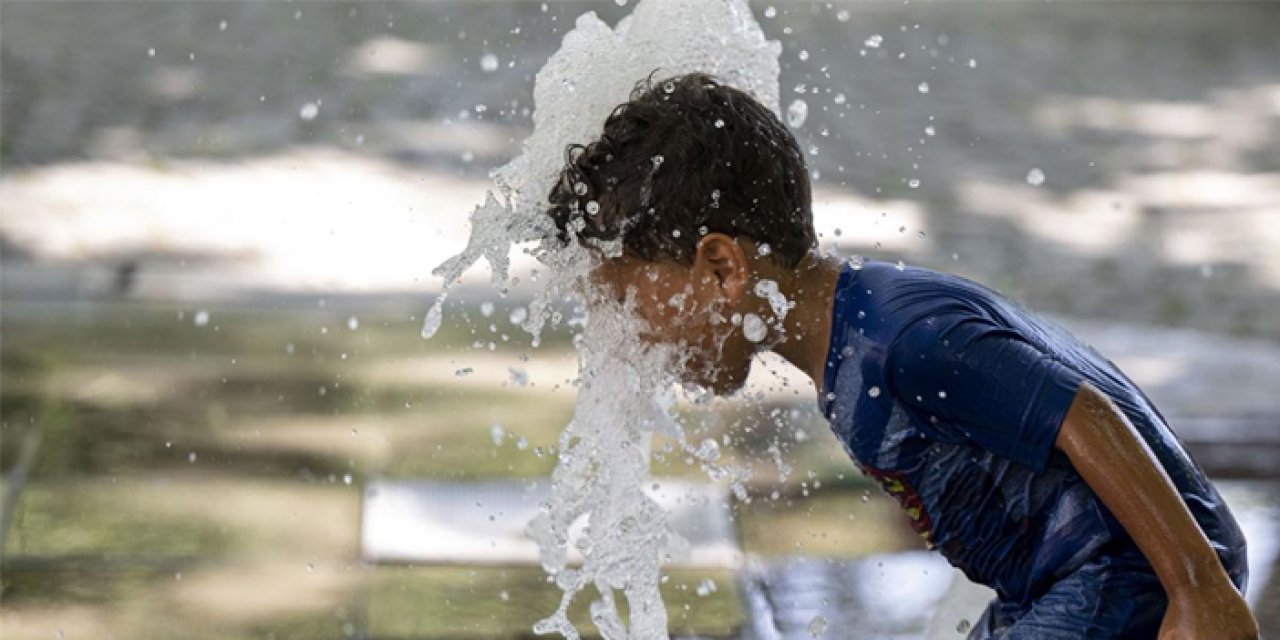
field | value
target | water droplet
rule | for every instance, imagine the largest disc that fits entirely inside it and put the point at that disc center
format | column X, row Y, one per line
column 201, row 318
column 963, row 626
column 753, row 327
column 489, row 62
column 151, row 52
column 311, row 566
column 770, row 12
column 346, row 479
column 874, row 392
column 842, row 15
column 797, row 113
column 923, row 87
column 709, row 450
column 309, row 111
column 706, row 587
column 973, row 64
column 431, row 324
column 222, row 26
column 817, row 626
column 839, row 98
column 486, row 308
column 518, row 315
column 874, row 41
column 930, row 131
column 914, row 183
column 580, row 188
column 1035, row 177
column 593, row 207
column 942, row 394
column 920, row 235
column 719, row 123
column 803, row 55
column 497, row 433
column 669, row 87
column 353, row 323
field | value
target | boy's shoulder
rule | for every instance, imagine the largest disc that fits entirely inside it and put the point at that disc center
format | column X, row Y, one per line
column 890, row 281
column 881, row 299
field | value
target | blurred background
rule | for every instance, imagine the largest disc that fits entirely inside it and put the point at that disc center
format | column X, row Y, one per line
column 218, row 221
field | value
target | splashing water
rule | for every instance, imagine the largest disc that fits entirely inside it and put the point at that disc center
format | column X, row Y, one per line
column 797, row 113
column 627, row 391
column 768, row 289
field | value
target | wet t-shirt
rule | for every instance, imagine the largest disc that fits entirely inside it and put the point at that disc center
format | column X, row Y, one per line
column 951, row 397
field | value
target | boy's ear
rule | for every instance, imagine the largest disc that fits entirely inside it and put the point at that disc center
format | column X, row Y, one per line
column 722, row 260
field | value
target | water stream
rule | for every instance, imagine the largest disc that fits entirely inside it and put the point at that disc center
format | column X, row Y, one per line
column 625, row 390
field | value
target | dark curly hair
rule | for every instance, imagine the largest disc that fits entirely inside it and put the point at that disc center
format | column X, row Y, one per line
column 684, row 157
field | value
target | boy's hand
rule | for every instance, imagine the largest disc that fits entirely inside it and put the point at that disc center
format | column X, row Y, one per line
column 1220, row 613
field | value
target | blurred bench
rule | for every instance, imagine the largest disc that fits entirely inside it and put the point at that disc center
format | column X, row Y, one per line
column 912, row 594
column 483, row 523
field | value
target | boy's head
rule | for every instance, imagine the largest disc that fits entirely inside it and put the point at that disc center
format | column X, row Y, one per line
column 693, row 193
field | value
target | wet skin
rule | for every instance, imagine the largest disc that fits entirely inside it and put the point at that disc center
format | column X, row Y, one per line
column 691, row 307
column 1121, row 469
column 698, row 308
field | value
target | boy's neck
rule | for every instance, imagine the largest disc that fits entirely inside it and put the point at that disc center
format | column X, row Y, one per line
column 811, row 286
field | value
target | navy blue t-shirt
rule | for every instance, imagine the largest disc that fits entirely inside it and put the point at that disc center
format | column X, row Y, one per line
column 951, row 396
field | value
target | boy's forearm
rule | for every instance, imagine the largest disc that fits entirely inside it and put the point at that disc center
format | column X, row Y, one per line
column 1122, row 470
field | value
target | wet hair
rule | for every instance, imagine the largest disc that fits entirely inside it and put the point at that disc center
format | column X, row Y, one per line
column 684, row 157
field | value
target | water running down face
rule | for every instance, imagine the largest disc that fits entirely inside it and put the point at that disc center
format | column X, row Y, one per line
column 703, row 309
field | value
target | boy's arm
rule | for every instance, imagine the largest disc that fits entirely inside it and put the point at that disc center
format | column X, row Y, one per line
column 1121, row 469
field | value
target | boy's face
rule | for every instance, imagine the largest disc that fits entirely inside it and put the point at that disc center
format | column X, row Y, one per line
column 690, row 307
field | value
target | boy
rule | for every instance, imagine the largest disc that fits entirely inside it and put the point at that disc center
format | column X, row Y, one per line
column 1032, row 463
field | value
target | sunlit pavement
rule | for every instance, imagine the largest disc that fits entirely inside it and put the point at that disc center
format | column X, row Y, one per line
column 328, row 220
column 203, row 479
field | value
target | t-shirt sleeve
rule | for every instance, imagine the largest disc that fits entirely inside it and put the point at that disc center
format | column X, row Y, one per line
column 1004, row 393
